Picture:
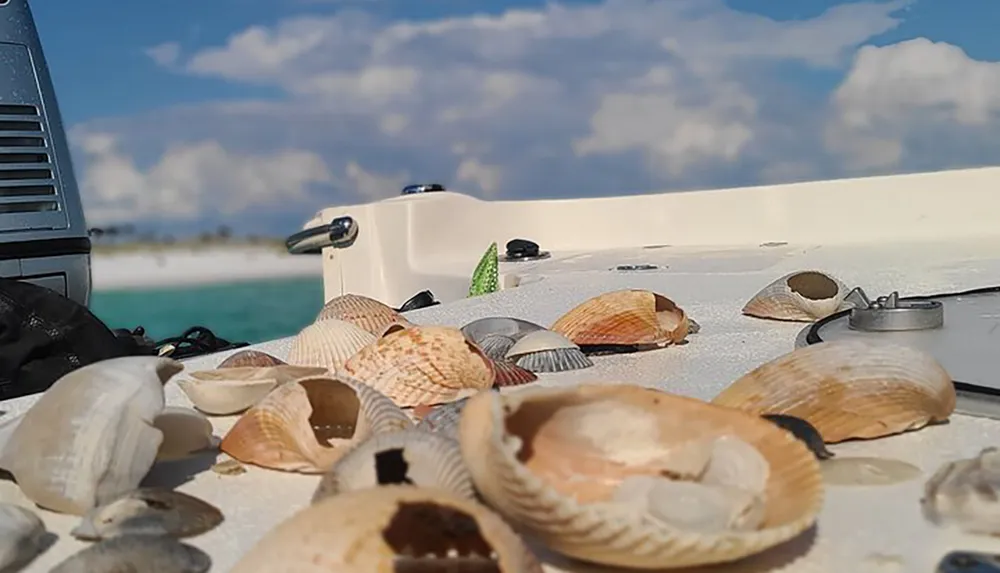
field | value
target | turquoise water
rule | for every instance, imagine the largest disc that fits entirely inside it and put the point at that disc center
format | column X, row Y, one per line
column 249, row 311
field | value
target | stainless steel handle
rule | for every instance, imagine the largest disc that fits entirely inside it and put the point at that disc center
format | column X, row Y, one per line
column 339, row 233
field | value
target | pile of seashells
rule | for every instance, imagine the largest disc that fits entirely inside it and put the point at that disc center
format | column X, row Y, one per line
column 436, row 453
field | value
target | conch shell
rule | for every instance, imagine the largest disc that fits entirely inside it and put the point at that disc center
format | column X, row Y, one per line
column 637, row 318
column 328, row 344
column 553, row 460
column 803, row 296
column 423, row 365
column 391, row 528
column 307, row 425
column 225, row 391
column 90, row 437
column 366, row 313
column 848, row 389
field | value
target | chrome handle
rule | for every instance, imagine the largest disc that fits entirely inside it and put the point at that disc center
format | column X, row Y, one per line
column 339, row 233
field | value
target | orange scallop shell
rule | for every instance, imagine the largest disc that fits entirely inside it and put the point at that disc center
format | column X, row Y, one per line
column 362, row 311
column 628, row 317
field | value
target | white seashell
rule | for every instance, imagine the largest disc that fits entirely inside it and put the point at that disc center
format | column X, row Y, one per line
column 328, row 344
column 22, row 537
column 538, row 341
column 802, row 296
column 735, row 463
column 693, row 506
column 90, row 437
column 185, row 432
column 966, row 493
column 547, row 351
column 226, row 391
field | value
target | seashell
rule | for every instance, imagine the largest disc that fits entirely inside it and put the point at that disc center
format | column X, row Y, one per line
column 366, row 313
column 149, row 511
column 510, row 374
column 513, row 328
column 547, row 351
column 552, row 459
column 692, row 506
column 391, row 528
column 408, row 457
column 637, row 318
column 328, row 343
column 247, row 358
column 443, row 419
column 184, row 431
column 867, row 471
column 423, row 365
column 495, row 345
column 22, row 537
column 395, row 327
column 90, row 437
column 802, row 296
column 307, row 425
column 225, row 391
column 137, row 553
column 965, row 493
column 848, row 389
column 802, row 430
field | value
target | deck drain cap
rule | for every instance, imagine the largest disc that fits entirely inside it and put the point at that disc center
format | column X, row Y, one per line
column 889, row 314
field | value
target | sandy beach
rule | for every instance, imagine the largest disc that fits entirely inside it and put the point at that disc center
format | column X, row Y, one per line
column 215, row 265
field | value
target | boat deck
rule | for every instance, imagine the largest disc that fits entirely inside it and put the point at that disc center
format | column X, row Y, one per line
column 861, row 529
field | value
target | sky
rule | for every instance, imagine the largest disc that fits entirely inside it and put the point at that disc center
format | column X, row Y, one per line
column 256, row 114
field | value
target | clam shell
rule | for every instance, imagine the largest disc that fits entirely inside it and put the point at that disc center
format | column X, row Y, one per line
column 848, row 389
column 367, row 313
column 547, row 351
column 513, row 328
column 328, row 344
column 966, row 494
column 245, row 358
column 495, row 345
column 510, row 374
column 307, row 425
column 391, row 528
column 551, row 460
column 802, row 296
column 407, row 457
column 632, row 317
column 226, row 391
column 184, row 431
column 423, row 365
column 90, row 437
column 137, row 553
column 149, row 511
column 22, row 536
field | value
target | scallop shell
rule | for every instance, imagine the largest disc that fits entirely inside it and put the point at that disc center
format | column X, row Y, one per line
column 328, row 343
column 391, row 528
column 632, row 317
column 802, row 296
column 137, row 553
column 395, row 326
column 407, row 457
column 245, row 358
column 443, row 419
column 547, row 351
column 848, row 389
column 185, row 432
column 423, row 365
column 551, row 460
column 495, row 345
column 225, row 391
column 965, row 494
column 505, row 326
column 367, row 313
column 510, row 374
column 149, row 511
column 90, row 437
column 22, row 537
column 307, row 425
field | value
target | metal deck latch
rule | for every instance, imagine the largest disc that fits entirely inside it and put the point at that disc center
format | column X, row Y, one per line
column 889, row 314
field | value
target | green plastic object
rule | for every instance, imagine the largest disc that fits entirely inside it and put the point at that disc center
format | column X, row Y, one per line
column 486, row 278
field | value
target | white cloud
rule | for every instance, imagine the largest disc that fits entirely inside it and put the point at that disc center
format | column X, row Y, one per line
column 165, row 54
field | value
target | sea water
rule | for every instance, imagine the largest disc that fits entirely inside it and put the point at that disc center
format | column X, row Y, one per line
column 242, row 312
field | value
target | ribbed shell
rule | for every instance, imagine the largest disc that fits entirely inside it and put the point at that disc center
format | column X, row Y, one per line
column 306, row 426
column 547, row 351
column 495, row 345
column 250, row 358
column 407, row 457
column 513, row 328
column 802, row 296
column 423, row 365
column 22, row 535
column 367, row 313
column 624, row 318
column 328, row 343
column 550, row 458
column 510, row 374
column 225, row 391
column 369, row 530
column 848, row 389
column 443, row 419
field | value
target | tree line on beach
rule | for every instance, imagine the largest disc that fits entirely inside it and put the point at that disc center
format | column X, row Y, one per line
column 129, row 235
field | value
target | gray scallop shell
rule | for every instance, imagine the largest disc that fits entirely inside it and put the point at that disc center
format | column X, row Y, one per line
column 496, row 345
column 513, row 328
column 443, row 419
column 137, row 553
column 547, row 351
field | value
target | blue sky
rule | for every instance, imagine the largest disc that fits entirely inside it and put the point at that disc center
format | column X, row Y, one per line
column 258, row 113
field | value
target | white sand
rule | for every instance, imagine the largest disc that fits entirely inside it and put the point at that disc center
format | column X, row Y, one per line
column 205, row 266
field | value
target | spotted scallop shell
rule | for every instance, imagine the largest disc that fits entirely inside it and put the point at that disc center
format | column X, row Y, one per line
column 569, row 465
column 412, row 457
column 802, row 296
column 547, row 351
column 366, row 313
column 307, row 425
column 328, row 344
column 632, row 317
column 226, row 391
column 391, row 528
column 423, row 365
column 250, row 358
column 848, row 389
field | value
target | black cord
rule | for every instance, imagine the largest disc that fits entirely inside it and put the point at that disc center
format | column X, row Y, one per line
column 196, row 341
